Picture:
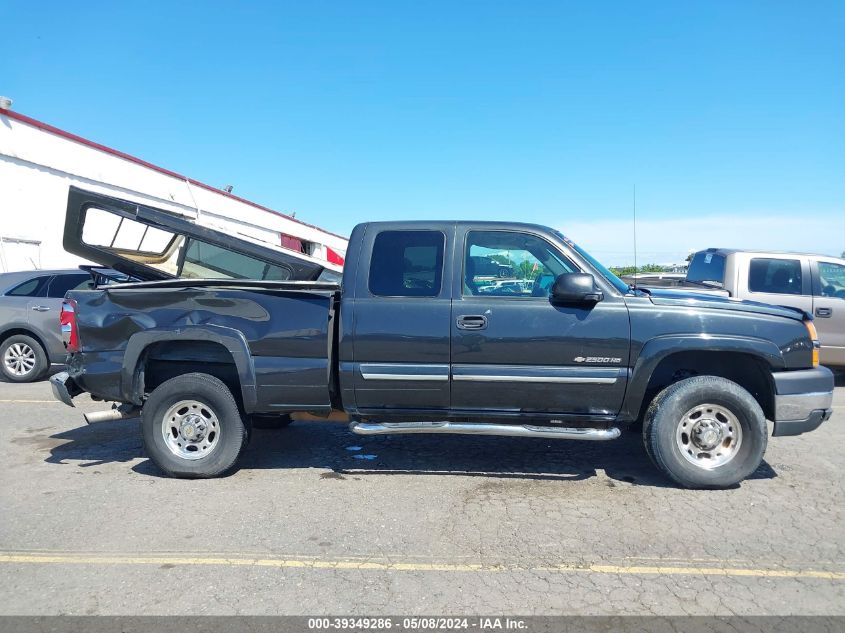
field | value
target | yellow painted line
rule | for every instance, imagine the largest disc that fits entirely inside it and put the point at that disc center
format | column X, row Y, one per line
column 699, row 571
column 31, row 402
column 418, row 566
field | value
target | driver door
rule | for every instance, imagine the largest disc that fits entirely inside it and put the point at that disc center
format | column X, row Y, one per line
column 515, row 351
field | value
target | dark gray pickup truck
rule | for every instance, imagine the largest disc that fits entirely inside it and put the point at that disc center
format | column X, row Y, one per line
column 408, row 343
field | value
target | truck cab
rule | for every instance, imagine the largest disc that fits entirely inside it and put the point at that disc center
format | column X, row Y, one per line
column 504, row 353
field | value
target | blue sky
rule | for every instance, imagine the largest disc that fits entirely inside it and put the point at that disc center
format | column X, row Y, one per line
column 723, row 114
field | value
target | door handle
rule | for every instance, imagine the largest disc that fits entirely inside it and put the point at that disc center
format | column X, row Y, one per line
column 824, row 312
column 472, row 322
column 41, row 308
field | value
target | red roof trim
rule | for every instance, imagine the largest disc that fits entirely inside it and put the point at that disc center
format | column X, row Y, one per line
column 132, row 159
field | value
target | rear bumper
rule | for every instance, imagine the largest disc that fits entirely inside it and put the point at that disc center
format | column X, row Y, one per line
column 803, row 400
column 64, row 388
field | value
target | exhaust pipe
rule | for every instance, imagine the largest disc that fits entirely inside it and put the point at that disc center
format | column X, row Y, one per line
column 122, row 412
column 464, row 428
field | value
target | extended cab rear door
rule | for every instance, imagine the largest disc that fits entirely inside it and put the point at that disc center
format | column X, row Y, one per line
column 398, row 314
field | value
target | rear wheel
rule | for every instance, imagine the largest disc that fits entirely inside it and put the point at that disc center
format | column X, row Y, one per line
column 22, row 359
column 192, row 427
column 705, row 432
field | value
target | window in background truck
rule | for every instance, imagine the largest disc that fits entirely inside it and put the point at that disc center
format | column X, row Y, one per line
column 832, row 278
column 775, row 276
column 206, row 261
column 707, row 267
column 407, row 264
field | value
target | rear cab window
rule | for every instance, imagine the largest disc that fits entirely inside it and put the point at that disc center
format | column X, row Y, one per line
column 707, row 268
column 407, row 264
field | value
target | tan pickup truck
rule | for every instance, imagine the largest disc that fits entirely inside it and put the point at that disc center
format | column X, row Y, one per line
column 814, row 283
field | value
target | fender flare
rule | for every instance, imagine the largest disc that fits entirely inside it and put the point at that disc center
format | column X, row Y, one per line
column 658, row 348
column 233, row 340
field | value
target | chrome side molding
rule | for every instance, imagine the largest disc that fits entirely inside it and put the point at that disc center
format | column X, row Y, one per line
column 467, row 428
column 404, row 371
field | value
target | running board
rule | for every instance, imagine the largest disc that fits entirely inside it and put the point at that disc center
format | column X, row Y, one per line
column 464, row 428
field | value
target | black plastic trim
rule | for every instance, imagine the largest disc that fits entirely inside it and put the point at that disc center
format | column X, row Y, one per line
column 800, row 381
column 784, row 428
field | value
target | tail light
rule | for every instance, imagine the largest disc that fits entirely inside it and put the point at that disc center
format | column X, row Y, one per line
column 814, row 337
column 70, row 331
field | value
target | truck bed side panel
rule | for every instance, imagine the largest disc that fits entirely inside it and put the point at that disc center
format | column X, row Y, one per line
column 279, row 339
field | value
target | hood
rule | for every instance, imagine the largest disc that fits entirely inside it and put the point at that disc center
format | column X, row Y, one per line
column 707, row 300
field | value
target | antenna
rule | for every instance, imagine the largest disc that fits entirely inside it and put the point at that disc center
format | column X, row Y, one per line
column 636, row 270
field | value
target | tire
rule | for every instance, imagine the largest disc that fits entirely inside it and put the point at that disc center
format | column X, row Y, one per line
column 270, row 420
column 705, row 432
column 22, row 359
column 188, row 415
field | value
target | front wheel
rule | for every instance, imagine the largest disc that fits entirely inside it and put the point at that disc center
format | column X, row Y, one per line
column 705, row 432
column 192, row 427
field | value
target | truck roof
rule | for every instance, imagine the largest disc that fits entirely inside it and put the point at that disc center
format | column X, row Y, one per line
column 754, row 251
column 486, row 224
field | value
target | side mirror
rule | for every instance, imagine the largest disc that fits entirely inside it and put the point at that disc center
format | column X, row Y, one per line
column 576, row 288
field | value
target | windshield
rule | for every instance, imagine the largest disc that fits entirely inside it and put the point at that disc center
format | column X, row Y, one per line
column 620, row 285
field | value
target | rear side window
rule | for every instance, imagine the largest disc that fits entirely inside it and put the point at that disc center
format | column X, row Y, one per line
column 62, row 283
column 35, row 287
column 706, row 267
column 407, row 264
column 775, row 276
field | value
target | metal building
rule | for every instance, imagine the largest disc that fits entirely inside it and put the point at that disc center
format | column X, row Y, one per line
column 38, row 162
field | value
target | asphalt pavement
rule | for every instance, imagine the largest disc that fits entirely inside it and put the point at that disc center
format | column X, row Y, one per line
column 319, row 521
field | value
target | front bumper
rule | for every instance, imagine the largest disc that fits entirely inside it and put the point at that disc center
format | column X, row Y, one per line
column 803, row 400
column 64, row 388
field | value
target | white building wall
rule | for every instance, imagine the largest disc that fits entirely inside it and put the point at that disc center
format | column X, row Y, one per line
column 38, row 165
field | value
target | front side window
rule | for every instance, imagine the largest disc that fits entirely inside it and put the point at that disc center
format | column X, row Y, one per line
column 832, row 278
column 775, row 276
column 407, row 264
column 510, row 264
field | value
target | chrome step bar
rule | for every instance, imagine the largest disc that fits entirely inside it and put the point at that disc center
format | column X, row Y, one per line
column 466, row 428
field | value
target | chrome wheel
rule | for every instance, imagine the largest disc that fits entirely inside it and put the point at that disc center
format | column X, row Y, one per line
column 190, row 429
column 709, row 436
column 19, row 359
